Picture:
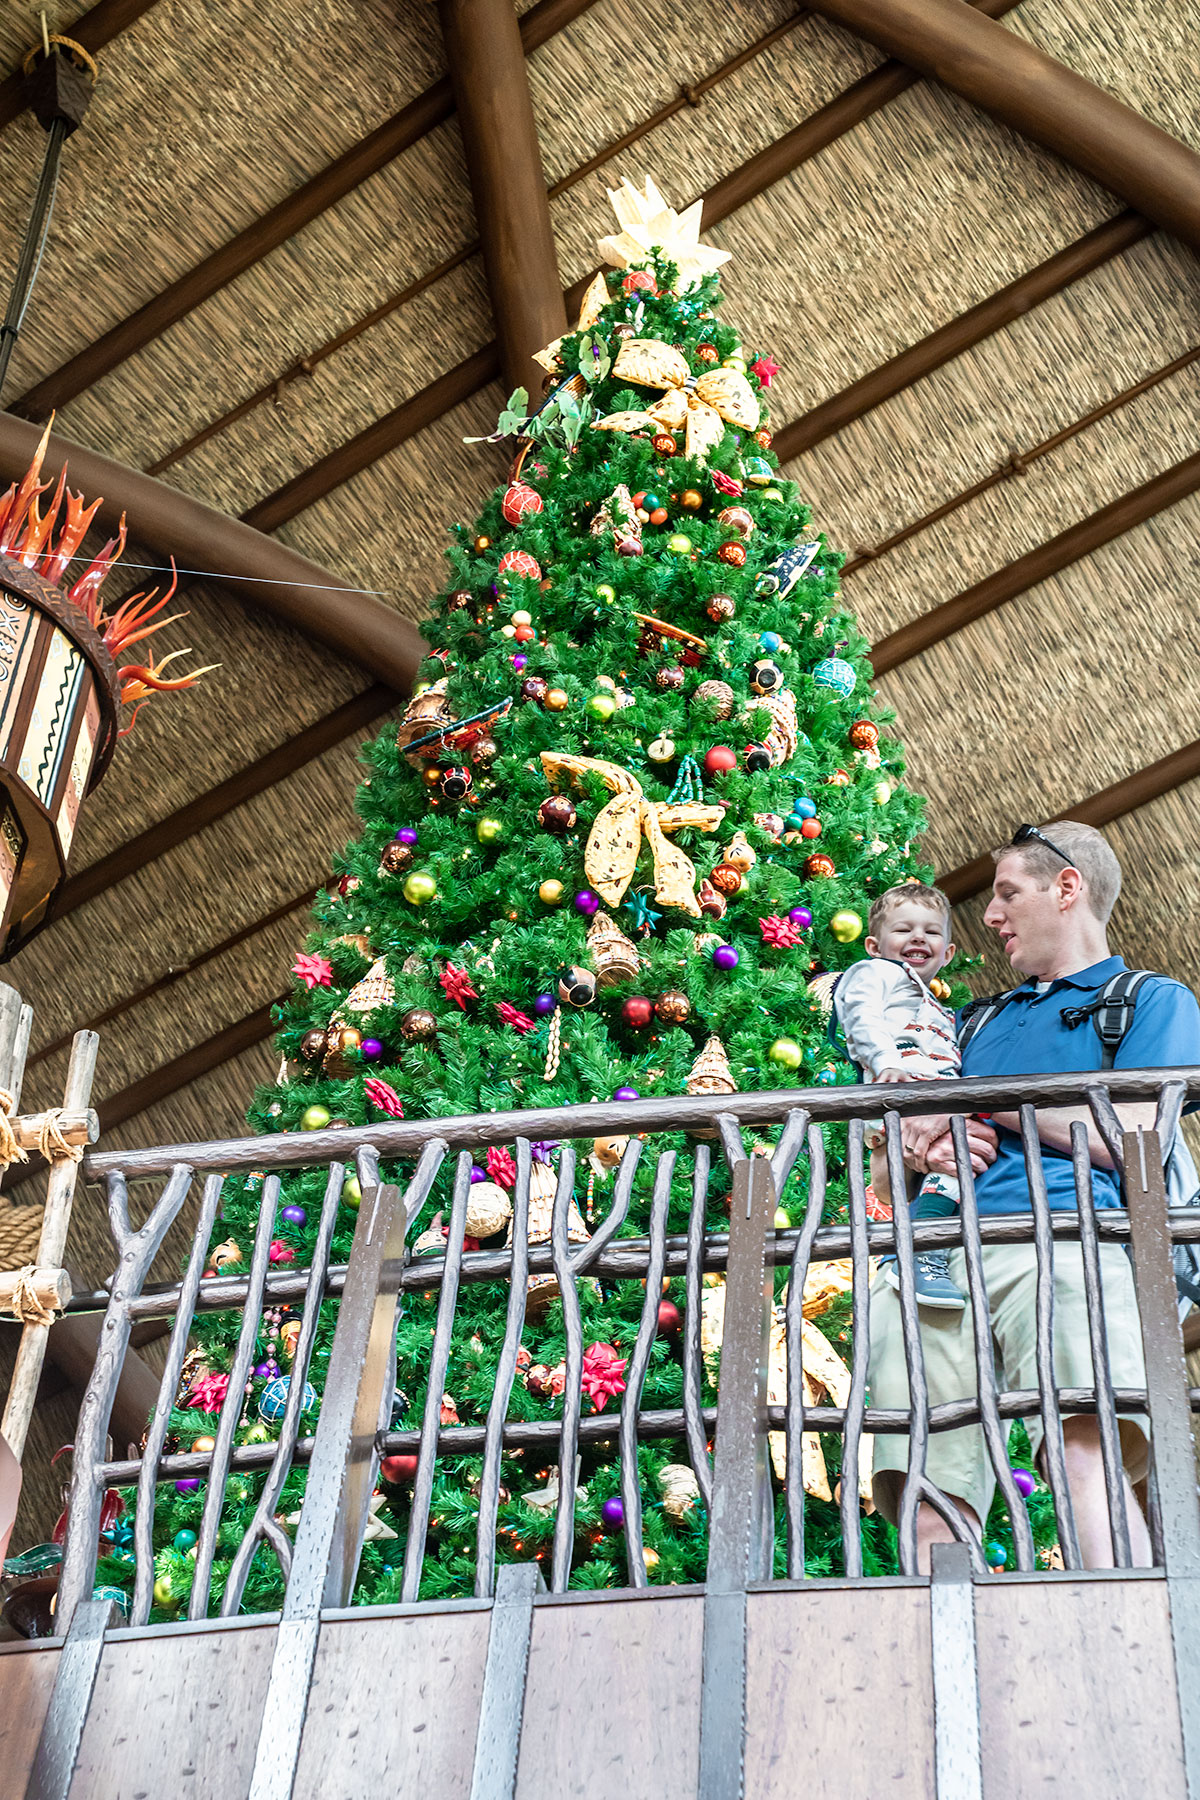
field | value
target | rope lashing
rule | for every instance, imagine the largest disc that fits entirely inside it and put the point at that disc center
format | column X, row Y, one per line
column 25, row 1305
column 10, row 1150
column 52, row 1145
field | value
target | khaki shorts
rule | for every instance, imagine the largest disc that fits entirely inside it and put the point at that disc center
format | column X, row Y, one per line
column 957, row 1461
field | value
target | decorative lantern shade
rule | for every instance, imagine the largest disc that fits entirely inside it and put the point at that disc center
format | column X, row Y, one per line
column 59, row 702
column 62, row 685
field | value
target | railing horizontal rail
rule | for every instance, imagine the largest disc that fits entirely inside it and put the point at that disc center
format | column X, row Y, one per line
column 825, row 1105
column 629, row 1256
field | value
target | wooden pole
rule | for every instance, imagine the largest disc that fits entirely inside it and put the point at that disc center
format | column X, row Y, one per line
column 512, row 210
column 1024, row 88
column 60, row 1193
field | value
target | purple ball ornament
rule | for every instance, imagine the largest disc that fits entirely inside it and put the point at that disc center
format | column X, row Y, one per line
column 478, row 1174
column 586, row 902
column 1023, row 1482
column 545, row 1003
column 371, row 1048
column 294, row 1215
column 265, row 1371
column 626, row 1093
column 407, row 834
column 799, row 915
column 725, row 957
column 613, row 1513
column 520, row 662
column 189, row 1486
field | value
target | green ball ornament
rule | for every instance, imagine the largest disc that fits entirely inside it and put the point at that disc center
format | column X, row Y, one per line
column 606, row 592
column 419, row 888
column 352, row 1192
column 315, row 1118
column 490, row 831
column 163, row 1593
column 679, row 542
column 735, row 362
column 787, row 1052
column 783, row 1220
column 601, row 706
column 846, row 926
column 184, row 1540
column 883, row 792
column 772, row 494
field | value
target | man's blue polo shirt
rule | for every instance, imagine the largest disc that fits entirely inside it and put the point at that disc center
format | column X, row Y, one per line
column 1029, row 1038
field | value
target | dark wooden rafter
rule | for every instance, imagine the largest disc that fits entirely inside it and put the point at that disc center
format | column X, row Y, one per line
column 1046, row 102
column 468, row 377
column 504, row 166
column 1090, row 252
column 93, row 29
column 1111, row 803
column 354, row 715
column 266, row 233
column 691, row 96
column 1019, row 462
column 256, row 568
column 1037, row 565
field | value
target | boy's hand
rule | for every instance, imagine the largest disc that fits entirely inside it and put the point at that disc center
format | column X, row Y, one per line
column 886, row 1077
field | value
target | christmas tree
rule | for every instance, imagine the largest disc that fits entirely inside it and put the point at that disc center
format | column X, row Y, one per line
column 635, row 811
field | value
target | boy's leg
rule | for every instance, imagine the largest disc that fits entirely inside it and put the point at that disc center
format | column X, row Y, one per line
column 937, row 1199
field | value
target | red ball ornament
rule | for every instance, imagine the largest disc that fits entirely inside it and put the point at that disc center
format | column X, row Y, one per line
column 664, row 443
column 811, row 828
column 819, row 866
column 670, row 1319
column 733, row 553
column 524, row 633
column 639, row 281
column 398, row 1468
column 637, row 1012
column 535, row 687
column 518, row 500
column 720, row 759
column 519, row 562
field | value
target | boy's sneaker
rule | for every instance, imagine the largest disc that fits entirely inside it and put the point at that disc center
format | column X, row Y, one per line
column 934, row 1286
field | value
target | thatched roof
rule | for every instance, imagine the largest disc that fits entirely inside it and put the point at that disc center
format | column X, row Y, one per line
column 205, row 118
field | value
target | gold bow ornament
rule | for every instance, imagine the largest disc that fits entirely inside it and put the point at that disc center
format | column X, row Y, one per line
column 615, row 839
column 699, row 402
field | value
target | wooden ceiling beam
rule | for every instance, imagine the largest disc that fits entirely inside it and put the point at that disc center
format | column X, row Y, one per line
column 356, row 625
column 353, row 716
column 93, row 29
column 1114, row 802
column 1037, row 565
column 274, row 227
column 490, row 78
column 1046, row 102
column 1060, row 271
column 467, row 378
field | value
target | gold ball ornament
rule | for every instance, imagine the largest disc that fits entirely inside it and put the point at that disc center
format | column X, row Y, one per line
column 419, row 888
column 846, row 926
column 691, row 499
column 650, row 1558
column 787, row 1052
column 418, row 1026
column 556, row 700
column 551, row 893
column 482, row 543
column 164, row 1595
column 202, row 1445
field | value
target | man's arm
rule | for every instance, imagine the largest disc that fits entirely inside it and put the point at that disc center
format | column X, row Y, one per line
column 1054, row 1127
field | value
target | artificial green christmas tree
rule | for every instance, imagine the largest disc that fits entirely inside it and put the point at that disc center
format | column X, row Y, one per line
column 637, row 807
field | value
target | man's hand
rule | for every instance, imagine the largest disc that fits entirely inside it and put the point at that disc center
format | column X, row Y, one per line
column 981, row 1143
column 919, row 1134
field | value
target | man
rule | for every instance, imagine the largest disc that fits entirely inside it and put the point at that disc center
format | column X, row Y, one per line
column 1053, row 894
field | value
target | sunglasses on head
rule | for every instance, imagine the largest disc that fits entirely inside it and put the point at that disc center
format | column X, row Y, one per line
column 1028, row 834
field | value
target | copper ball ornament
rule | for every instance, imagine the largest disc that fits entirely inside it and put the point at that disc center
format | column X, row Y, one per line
column 557, row 814
column 737, row 518
column 720, row 608
column 673, row 1007
column 707, row 354
column 864, row 734
column 726, row 879
column 819, row 867
column 418, row 1025
column 763, row 439
column 733, row 553
column 664, row 444
column 395, row 859
column 670, row 678
column 312, row 1046
column 485, row 751
column 458, row 600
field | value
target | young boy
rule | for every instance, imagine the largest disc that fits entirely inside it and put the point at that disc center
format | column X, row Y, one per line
column 896, row 1030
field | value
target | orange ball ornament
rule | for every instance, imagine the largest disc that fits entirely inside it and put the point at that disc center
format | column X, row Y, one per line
column 811, row 828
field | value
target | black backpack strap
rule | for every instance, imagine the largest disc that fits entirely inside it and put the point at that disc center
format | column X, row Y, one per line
column 1111, row 1012
column 978, row 1013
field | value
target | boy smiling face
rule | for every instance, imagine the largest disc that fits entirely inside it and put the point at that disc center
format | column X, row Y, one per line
column 916, row 933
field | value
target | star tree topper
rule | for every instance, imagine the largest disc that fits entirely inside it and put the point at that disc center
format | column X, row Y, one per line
column 647, row 222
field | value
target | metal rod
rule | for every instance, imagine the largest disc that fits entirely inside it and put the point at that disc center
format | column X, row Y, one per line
column 33, row 244
column 639, row 1363
column 794, row 1327
column 693, row 1362
column 506, row 1369
column 1110, row 1443
column 1053, row 1446
column 568, row 1431
column 856, row 1399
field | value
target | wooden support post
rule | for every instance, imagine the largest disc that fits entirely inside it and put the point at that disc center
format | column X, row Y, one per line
column 60, row 1193
column 512, row 210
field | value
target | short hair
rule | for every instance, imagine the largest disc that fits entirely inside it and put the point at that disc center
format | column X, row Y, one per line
column 905, row 890
column 1090, row 853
